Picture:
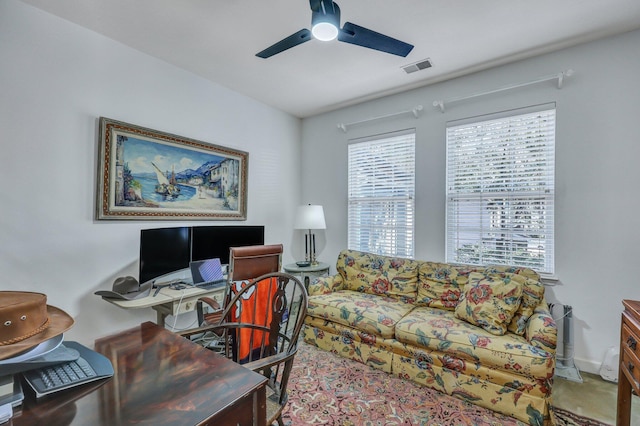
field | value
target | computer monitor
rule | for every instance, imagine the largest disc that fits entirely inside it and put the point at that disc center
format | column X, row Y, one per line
column 163, row 250
column 209, row 242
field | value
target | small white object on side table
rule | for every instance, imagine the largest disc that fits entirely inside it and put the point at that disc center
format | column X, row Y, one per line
column 306, row 273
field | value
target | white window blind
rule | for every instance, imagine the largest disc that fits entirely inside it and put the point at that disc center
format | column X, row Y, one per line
column 500, row 191
column 381, row 195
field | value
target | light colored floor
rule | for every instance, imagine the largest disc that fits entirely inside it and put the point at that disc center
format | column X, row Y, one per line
column 594, row 397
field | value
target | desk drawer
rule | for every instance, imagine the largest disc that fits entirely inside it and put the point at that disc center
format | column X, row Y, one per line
column 630, row 337
column 188, row 304
column 631, row 365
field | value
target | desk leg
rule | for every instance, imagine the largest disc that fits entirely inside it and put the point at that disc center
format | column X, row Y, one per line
column 624, row 400
column 161, row 313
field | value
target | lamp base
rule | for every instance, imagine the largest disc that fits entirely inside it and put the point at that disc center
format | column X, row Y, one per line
column 303, row 264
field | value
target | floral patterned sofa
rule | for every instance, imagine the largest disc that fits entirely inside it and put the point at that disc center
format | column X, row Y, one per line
column 481, row 334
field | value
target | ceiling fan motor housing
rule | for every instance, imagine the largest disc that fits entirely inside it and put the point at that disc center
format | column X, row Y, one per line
column 325, row 20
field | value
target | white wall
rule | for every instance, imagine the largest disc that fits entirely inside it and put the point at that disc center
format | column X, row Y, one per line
column 597, row 175
column 56, row 80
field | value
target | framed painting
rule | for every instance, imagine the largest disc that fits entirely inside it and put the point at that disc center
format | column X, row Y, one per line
column 148, row 174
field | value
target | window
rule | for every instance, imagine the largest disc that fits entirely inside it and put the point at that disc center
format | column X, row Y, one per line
column 500, row 190
column 381, row 195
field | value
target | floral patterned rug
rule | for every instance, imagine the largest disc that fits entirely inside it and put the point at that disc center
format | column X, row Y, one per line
column 325, row 389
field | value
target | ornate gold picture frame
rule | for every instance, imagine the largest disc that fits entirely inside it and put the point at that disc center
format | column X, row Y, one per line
column 145, row 174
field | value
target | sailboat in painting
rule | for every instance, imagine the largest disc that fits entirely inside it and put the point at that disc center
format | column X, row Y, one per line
column 167, row 187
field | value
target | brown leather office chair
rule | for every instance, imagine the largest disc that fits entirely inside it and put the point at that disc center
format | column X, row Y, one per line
column 245, row 263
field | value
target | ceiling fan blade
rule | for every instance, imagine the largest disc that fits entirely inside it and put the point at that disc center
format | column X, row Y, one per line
column 355, row 34
column 286, row 43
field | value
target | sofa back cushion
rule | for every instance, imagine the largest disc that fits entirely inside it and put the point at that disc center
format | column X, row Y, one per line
column 502, row 269
column 490, row 301
column 532, row 294
column 440, row 284
column 376, row 274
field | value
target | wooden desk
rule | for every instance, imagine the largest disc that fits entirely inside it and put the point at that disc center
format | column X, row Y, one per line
column 629, row 372
column 160, row 379
column 170, row 302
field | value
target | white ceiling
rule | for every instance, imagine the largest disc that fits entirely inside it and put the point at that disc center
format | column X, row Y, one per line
column 218, row 40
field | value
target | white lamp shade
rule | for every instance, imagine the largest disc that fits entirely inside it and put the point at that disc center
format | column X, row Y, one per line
column 310, row 217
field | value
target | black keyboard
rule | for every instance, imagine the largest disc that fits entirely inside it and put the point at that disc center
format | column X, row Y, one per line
column 88, row 367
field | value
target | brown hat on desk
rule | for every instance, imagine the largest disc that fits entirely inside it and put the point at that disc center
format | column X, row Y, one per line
column 26, row 321
column 126, row 288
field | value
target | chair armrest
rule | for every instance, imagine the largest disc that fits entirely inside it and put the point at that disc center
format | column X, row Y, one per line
column 541, row 330
column 269, row 361
column 326, row 285
column 211, row 302
column 209, row 318
column 203, row 329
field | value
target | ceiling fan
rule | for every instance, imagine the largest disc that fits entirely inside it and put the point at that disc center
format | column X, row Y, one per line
column 325, row 26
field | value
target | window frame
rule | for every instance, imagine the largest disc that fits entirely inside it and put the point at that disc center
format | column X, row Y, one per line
column 535, row 197
column 389, row 200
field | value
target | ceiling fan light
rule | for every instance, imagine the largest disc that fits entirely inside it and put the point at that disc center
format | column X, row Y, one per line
column 325, row 21
column 324, row 31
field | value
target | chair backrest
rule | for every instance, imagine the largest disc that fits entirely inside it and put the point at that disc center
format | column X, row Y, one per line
column 260, row 328
column 249, row 262
column 266, row 315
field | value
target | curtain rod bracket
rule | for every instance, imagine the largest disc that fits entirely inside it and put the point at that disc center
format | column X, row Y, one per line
column 562, row 75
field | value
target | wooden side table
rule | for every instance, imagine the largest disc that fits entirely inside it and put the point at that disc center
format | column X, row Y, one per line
column 308, row 272
column 629, row 373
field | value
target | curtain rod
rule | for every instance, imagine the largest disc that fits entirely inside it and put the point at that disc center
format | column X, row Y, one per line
column 560, row 77
column 415, row 112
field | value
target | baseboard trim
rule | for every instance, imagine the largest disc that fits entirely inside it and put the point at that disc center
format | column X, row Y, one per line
column 588, row 366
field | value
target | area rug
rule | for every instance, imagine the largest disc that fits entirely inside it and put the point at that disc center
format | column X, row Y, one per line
column 326, row 389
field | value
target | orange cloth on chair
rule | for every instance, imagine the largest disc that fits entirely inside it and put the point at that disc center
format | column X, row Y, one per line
column 244, row 312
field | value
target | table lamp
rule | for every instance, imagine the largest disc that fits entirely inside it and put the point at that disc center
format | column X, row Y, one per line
column 309, row 217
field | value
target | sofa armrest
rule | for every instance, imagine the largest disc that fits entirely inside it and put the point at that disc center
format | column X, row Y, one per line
column 542, row 331
column 325, row 285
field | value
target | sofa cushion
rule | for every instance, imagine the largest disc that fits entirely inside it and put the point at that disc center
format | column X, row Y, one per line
column 440, row 284
column 365, row 312
column 376, row 274
column 532, row 296
column 440, row 330
column 490, row 301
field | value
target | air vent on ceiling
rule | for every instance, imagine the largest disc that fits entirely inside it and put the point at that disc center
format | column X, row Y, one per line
column 420, row 65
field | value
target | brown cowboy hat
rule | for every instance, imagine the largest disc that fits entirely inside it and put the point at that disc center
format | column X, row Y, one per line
column 26, row 321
